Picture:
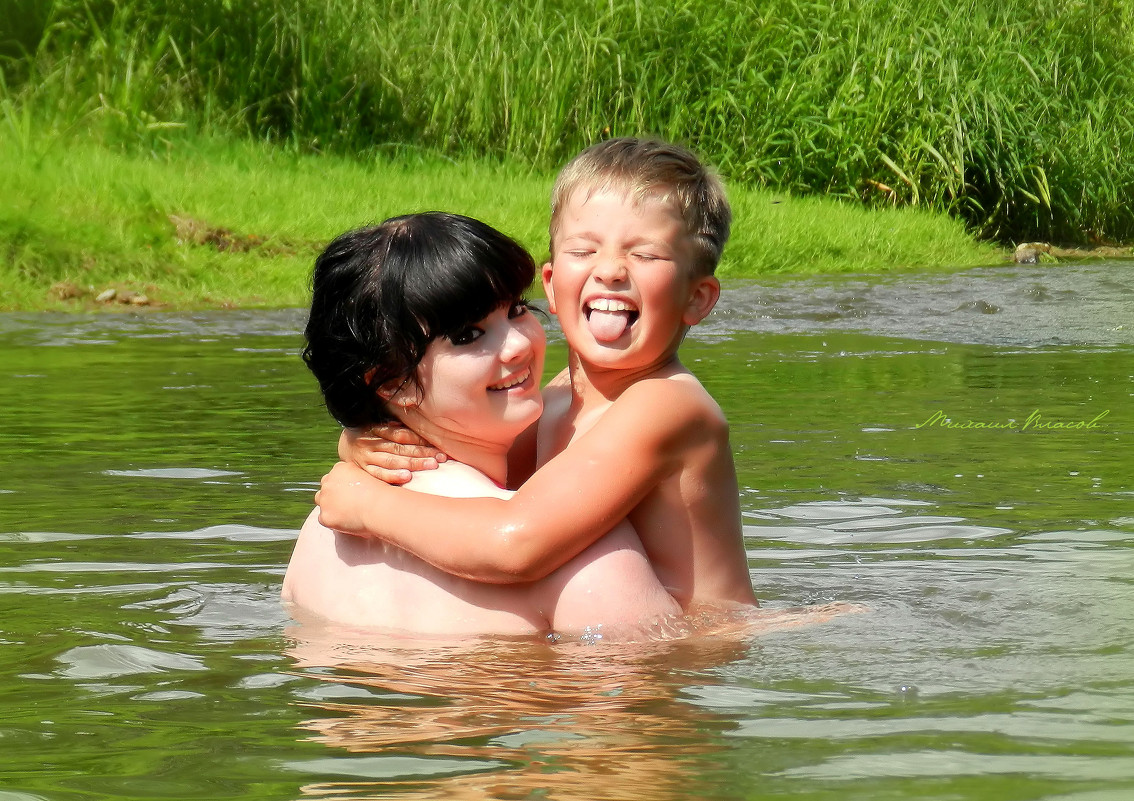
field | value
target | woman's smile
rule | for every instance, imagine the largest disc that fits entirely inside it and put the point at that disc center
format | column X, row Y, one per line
column 520, row 379
column 484, row 386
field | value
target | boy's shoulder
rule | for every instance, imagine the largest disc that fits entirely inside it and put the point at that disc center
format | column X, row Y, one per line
column 673, row 394
column 557, row 396
column 558, row 386
column 669, row 412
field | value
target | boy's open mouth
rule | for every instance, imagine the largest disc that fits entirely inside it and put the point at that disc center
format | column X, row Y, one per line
column 609, row 318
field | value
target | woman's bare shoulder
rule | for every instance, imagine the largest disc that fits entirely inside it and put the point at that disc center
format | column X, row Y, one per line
column 456, row 480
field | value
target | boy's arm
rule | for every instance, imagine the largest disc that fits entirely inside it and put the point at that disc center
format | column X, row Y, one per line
column 566, row 505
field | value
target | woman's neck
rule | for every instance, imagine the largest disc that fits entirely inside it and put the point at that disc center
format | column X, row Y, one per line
column 488, row 456
column 490, row 460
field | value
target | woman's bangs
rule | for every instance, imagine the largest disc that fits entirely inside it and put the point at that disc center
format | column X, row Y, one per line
column 461, row 297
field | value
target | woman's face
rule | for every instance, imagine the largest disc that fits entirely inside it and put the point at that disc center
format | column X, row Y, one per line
column 483, row 383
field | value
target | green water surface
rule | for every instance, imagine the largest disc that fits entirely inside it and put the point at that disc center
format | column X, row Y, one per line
column 156, row 469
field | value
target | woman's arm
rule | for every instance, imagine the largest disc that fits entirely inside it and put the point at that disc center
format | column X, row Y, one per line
column 566, row 505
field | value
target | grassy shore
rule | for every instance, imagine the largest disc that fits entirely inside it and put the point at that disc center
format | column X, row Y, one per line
column 199, row 154
column 1015, row 116
column 210, row 223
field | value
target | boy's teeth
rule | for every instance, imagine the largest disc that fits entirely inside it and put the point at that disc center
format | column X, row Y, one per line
column 609, row 318
column 610, row 304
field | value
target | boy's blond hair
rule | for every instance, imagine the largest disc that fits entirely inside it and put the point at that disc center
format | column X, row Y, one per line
column 646, row 167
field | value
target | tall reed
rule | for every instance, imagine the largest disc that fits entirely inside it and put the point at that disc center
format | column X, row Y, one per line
column 1015, row 115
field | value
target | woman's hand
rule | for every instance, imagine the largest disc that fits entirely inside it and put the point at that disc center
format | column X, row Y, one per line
column 345, row 496
column 390, row 452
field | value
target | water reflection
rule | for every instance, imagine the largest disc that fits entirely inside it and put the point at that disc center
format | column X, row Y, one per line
column 510, row 720
column 498, row 718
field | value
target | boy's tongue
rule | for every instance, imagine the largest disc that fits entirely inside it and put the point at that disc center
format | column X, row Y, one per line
column 607, row 326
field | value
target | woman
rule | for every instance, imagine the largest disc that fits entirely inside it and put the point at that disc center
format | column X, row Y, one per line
column 421, row 320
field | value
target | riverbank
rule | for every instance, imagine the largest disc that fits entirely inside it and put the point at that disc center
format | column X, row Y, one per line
column 1010, row 118
column 211, row 223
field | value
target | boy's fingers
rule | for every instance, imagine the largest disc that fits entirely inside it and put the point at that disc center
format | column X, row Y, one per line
column 395, row 432
column 379, row 447
column 397, row 477
column 391, row 460
column 385, row 461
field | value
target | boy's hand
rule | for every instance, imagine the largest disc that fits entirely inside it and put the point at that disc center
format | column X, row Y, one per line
column 389, row 452
column 345, row 494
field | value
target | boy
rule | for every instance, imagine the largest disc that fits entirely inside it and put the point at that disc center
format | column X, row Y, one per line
column 637, row 229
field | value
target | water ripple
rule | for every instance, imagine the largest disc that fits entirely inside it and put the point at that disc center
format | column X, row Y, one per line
column 108, row 661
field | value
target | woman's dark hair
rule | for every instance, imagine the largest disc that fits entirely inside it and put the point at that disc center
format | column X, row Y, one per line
column 380, row 295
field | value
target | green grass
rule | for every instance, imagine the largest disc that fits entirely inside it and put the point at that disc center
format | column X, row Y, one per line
column 1015, row 116
column 80, row 216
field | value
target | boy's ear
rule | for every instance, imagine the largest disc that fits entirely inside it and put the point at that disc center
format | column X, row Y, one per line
column 545, row 275
column 704, row 292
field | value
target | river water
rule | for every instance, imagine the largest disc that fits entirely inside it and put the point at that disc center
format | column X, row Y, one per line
column 952, row 451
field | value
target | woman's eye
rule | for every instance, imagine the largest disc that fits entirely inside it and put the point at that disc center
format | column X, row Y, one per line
column 466, row 336
column 519, row 309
